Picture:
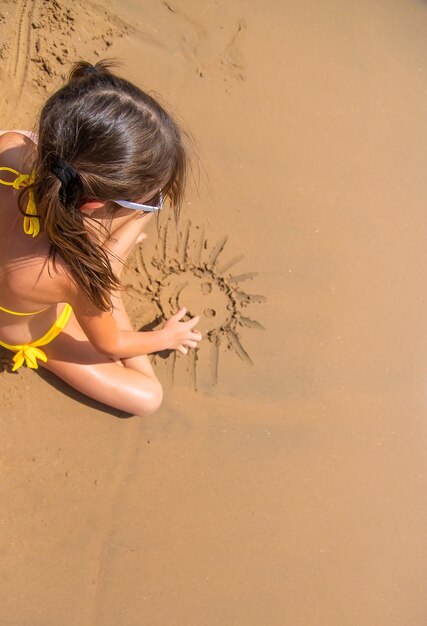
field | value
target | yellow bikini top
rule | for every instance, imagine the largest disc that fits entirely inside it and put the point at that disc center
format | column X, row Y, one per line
column 31, row 221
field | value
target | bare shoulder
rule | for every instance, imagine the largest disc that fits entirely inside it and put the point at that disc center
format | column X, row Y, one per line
column 17, row 150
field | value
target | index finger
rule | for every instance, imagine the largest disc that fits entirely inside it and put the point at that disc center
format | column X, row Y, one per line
column 193, row 321
column 180, row 314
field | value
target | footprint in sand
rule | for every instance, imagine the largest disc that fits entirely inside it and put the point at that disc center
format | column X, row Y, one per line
column 232, row 58
column 198, row 47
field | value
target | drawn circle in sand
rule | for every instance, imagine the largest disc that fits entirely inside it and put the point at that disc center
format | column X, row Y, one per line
column 185, row 271
column 201, row 296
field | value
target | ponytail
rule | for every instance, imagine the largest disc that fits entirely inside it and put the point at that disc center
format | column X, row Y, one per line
column 100, row 137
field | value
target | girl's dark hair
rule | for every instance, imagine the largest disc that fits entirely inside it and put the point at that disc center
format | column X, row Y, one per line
column 101, row 137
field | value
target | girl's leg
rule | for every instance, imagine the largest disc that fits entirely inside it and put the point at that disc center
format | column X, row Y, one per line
column 73, row 359
column 128, row 385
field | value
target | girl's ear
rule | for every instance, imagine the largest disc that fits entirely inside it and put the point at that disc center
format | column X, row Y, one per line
column 91, row 205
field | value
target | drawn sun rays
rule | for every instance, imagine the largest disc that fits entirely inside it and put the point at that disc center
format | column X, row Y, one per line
column 187, row 271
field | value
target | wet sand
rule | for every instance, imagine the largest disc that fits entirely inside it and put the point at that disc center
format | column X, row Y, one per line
column 283, row 481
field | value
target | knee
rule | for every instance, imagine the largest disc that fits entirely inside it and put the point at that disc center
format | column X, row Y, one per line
column 150, row 400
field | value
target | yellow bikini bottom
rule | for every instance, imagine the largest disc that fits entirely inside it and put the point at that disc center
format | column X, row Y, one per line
column 30, row 352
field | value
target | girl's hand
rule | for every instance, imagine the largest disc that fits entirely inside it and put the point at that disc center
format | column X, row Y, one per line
column 180, row 335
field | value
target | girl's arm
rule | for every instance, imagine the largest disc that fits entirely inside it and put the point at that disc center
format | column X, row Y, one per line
column 102, row 331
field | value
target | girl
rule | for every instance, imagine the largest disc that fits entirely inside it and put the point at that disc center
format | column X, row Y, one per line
column 72, row 208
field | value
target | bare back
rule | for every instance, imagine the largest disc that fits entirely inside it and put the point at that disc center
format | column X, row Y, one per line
column 25, row 282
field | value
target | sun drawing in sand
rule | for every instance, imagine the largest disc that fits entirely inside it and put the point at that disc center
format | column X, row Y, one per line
column 185, row 271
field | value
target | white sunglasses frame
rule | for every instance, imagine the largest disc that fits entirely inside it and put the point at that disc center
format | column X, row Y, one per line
column 135, row 206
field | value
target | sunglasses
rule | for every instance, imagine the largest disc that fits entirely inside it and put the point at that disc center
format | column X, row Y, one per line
column 149, row 208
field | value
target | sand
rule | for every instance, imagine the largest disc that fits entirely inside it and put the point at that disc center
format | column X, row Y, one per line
column 283, row 481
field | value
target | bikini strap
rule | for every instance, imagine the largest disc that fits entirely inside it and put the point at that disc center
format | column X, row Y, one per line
column 31, row 220
column 2, row 308
column 21, row 180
